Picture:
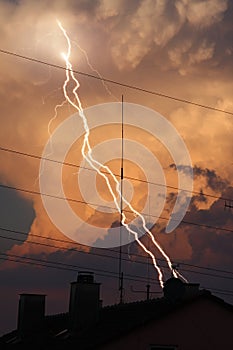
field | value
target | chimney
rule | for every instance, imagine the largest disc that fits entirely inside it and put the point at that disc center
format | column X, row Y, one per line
column 84, row 301
column 31, row 312
column 191, row 290
column 175, row 290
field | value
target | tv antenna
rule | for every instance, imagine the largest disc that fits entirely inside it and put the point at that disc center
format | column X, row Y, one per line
column 121, row 201
column 228, row 204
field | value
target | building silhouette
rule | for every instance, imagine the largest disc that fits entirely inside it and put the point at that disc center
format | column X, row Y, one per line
column 184, row 318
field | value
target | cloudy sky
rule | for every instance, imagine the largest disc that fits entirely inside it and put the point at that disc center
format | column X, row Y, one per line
column 180, row 48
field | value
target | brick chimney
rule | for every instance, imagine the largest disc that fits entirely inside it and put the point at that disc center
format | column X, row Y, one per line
column 31, row 313
column 84, row 301
column 175, row 290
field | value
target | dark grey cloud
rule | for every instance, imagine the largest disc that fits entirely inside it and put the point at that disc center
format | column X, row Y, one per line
column 213, row 180
column 16, row 213
column 216, row 215
column 187, row 170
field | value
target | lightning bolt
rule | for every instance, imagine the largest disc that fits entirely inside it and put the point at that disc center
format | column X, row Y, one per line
column 87, row 155
column 95, row 71
column 50, row 138
column 51, row 121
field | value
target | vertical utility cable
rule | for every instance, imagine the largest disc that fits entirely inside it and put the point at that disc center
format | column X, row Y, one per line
column 121, row 203
column 148, row 262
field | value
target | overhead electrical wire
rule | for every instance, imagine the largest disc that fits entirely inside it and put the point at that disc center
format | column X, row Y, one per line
column 125, row 85
column 98, row 272
column 226, row 292
column 111, row 81
column 68, row 269
column 74, row 267
column 70, row 164
column 5, row 149
column 97, row 205
column 110, row 256
column 34, row 192
column 107, row 256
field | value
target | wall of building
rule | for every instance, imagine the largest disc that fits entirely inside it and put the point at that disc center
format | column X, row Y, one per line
column 203, row 324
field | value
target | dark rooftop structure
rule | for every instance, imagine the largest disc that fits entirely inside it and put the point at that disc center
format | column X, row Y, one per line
column 31, row 313
column 185, row 318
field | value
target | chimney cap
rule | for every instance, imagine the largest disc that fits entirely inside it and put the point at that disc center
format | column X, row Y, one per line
column 85, row 273
column 33, row 294
column 85, row 277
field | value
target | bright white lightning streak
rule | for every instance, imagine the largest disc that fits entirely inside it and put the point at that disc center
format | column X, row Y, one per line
column 92, row 162
column 181, row 276
column 50, row 134
column 95, row 71
column 55, row 116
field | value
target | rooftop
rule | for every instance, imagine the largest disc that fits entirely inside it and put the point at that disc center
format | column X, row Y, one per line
column 114, row 321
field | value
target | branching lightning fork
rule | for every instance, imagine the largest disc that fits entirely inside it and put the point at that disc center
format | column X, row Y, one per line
column 95, row 71
column 87, row 155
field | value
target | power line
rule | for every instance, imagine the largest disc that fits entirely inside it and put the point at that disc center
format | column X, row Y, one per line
column 75, row 268
column 111, row 81
column 131, row 87
column 5, row 149
column 72, row 266
column 58, row 246
column 52, row 196
column 143, row 263
column 208, row 268
column 43, row 263
column 59, row 268
column 207, row 274
column 125, row 210
column 108, row 256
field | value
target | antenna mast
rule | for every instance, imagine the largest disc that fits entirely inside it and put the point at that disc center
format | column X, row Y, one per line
column 148, row 262
column 228, row 204
column 121, row 202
